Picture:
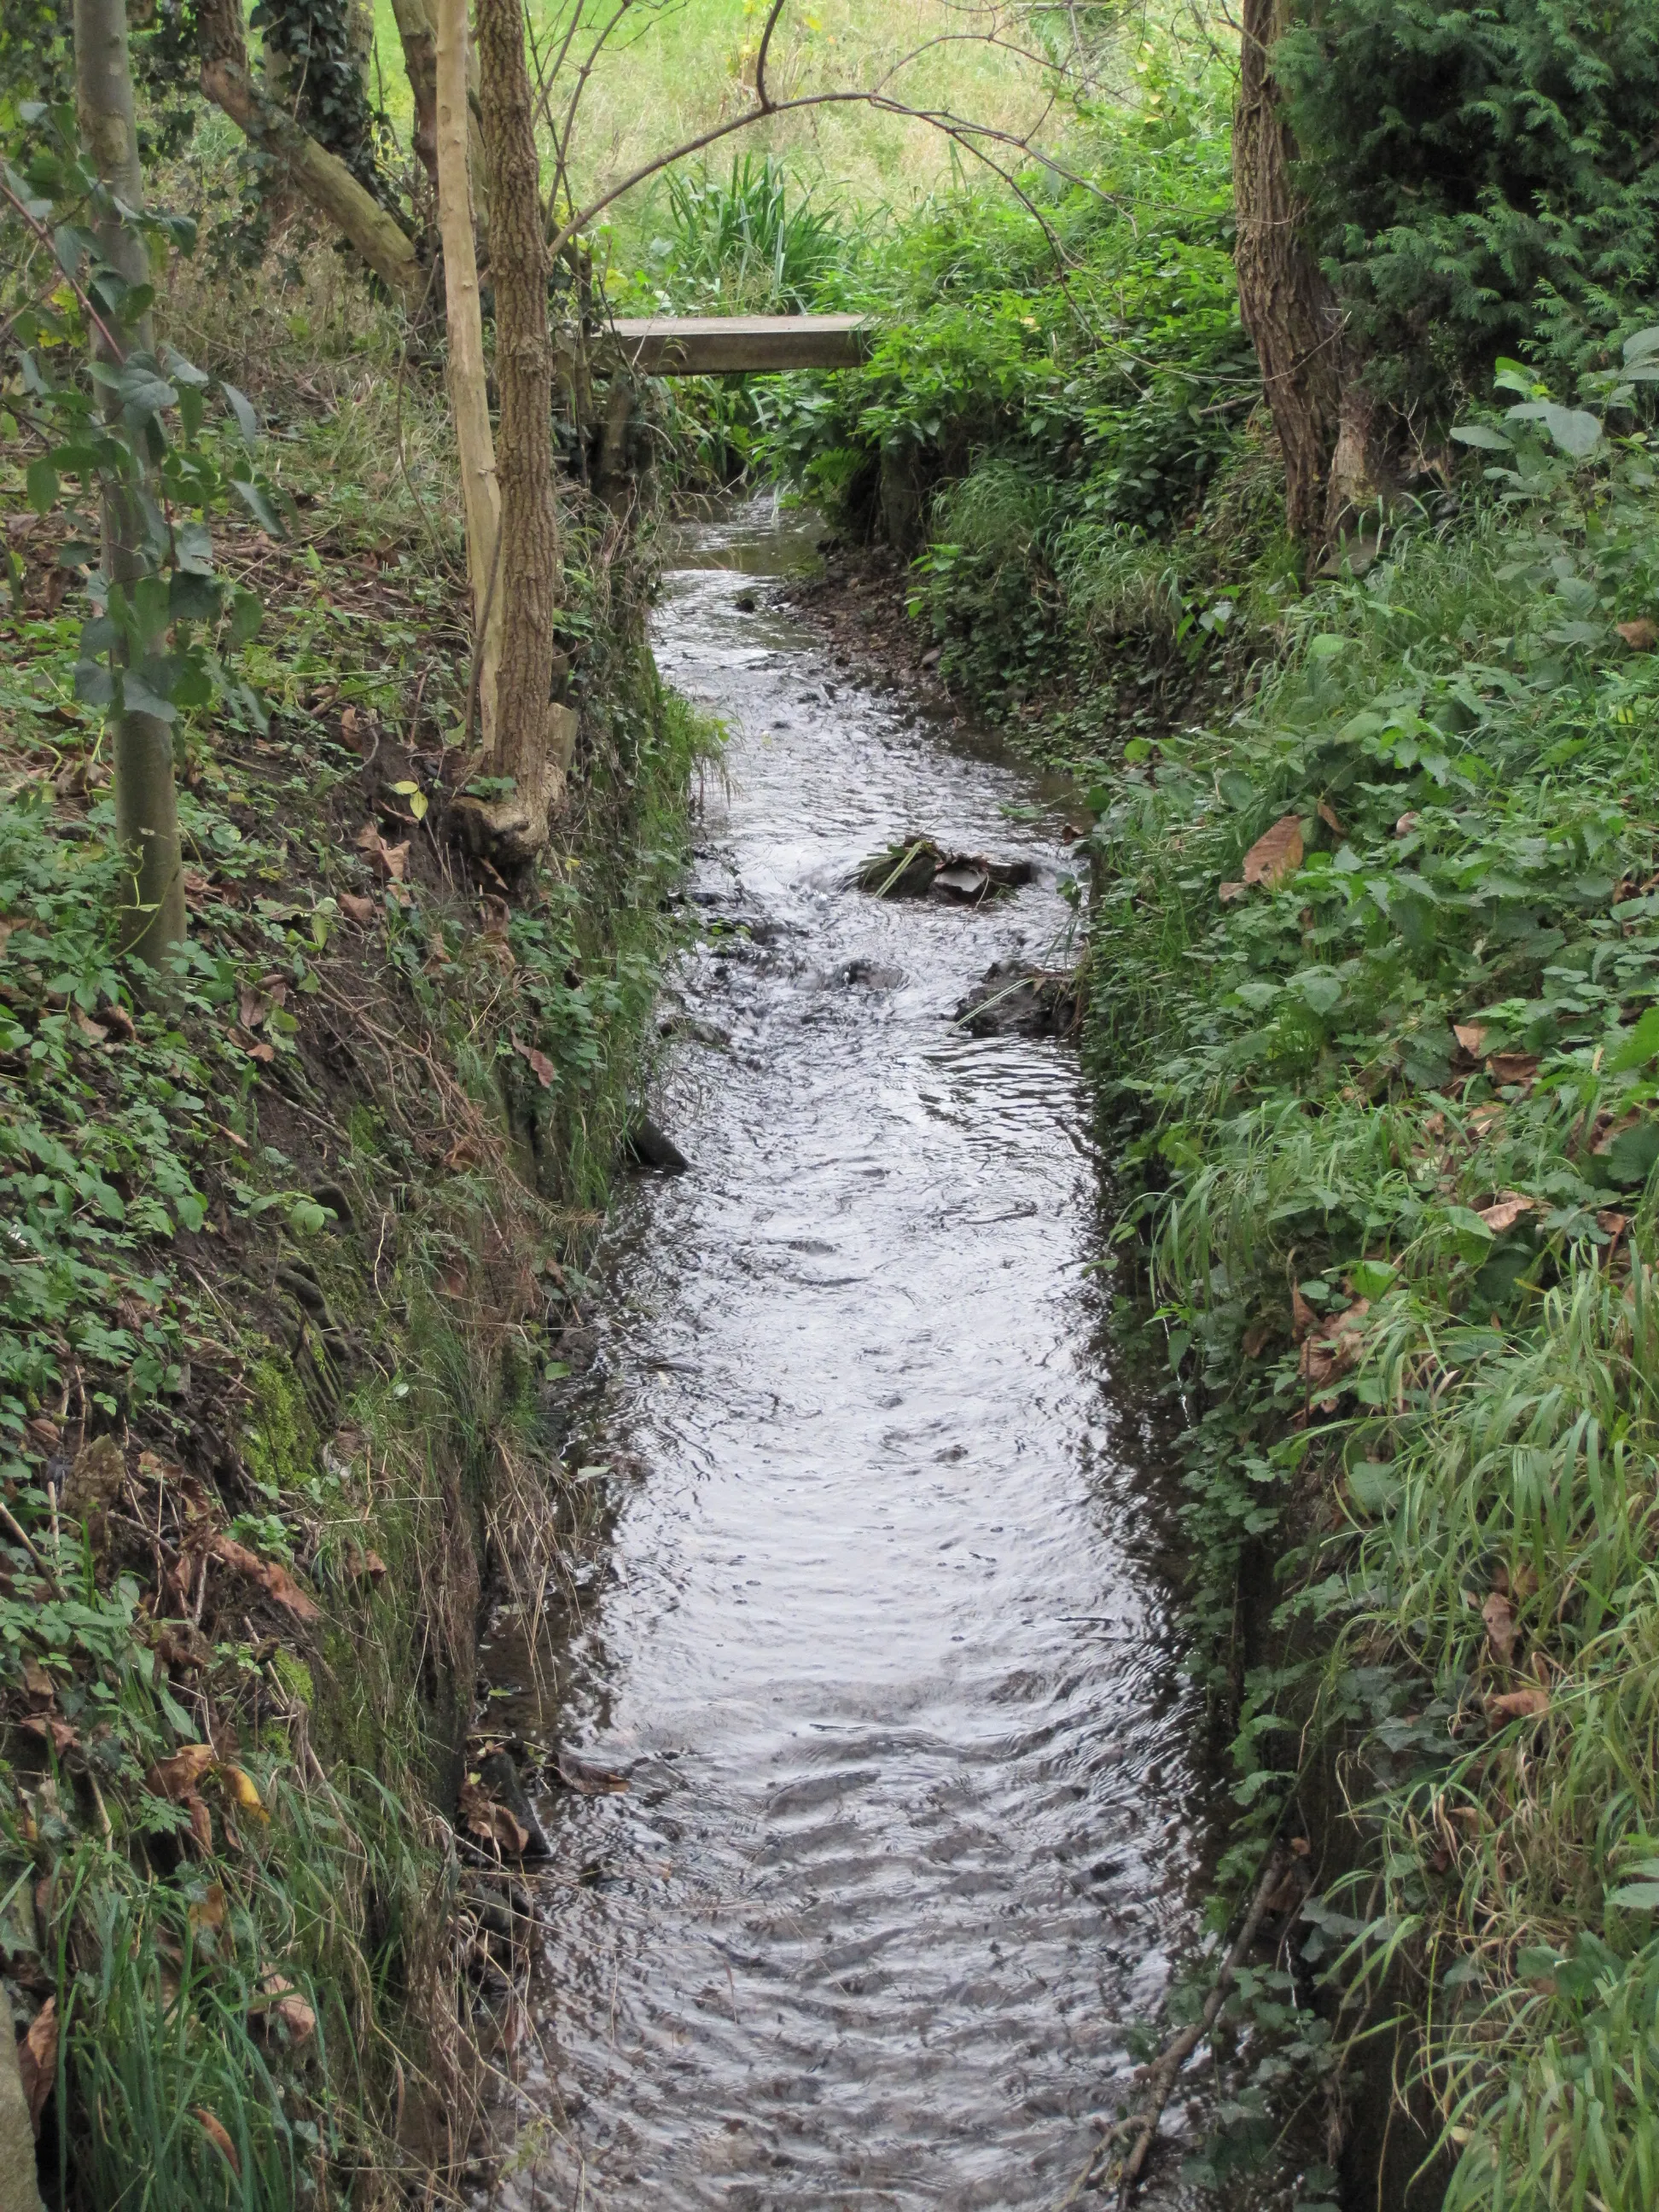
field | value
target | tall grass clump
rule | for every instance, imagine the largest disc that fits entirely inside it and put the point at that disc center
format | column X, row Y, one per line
column 1375, row 1018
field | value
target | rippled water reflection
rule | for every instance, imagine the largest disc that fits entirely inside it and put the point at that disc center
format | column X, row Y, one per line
column 879, row 1629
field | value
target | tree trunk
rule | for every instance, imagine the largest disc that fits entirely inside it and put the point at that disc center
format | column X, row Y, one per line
column 1289, row 308
column 469, row 395
column 152, row 909
column 321, row 176
column 526, row 719
column 419, row 40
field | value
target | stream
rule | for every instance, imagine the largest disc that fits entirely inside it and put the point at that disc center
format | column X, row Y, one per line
column 878, row 1614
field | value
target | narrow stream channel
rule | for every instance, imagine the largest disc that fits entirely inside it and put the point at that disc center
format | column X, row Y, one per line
column 879, row 1623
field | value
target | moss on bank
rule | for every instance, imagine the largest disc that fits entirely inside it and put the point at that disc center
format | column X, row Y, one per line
column 289, row 1234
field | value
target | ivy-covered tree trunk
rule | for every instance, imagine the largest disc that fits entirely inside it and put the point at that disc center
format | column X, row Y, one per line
column 152, row 910
column 1289, row 308
column 528, row 725
column 324, row 179
column 468, row 397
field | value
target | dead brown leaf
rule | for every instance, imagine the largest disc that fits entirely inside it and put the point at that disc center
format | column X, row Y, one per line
column 1471, row 1036
column 38, row 1681
column 177, row 1777
column 1501, row 1632
column 1407, row 823
column 255, row 1047
column 213, row 2130
column 1229, row 892
column 1641, row 635
column 357, row 909
column 540, row 1066
column 119, row 1023
column 273, row 1578
column 1256, row 1337
column 592, row 1781
column 201, row 1821
column 1329, row 816
column 50, row 1728
column 1304, row 1319
column 1276, row 853
column 1518, row 1705
column 389, row 862
column 279, row 2000
column 94, row 1032
column 491, row 1821
column 36, row 2060
column 1505, row 1211
column 253, row 1006
column 1506, row 1067
column 208, row 1911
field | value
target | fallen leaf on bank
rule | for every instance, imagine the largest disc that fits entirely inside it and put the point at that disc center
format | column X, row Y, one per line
column 274, row 1579
column 38, row 1681
column 1498, row 1615
column 182, row 1646
column 1506, row 1211
column 1229, row 892
column 1613, row 1223
column 540, row 1066
column 1518, row 1705
column 286, row 1592
column 208, row 1911
column 491, row 1821
column 253, row 1006
column 240, row 1786
column 1255, row 1339
column 389, row 862
column 1407, row 823
column 1641, row 635
column 213, row 2130
column 279, row 2001
column 1482, row 1117
column 37, row 2061
column 255, row 1047
column 1329, row 1355
column 1471, row 1036
column 94, row 1484
column 1327, row 814
column 201, row 1821
column 1276, row 853
column 50, row 1728
column 1506, row 1067
column 364, row 1566
column 119, row 1023
column 176, row 1777
column 1304, row 1319
column 581, row 1775
column 94, row 1032
column 357, row 909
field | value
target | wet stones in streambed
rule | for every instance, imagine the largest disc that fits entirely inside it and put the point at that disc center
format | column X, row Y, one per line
column 1014, row 999
column 646, row 1145
column 917, row 867
column 870, row 975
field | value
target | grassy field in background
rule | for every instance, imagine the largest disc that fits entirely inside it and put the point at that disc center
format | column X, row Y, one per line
column 684, row 68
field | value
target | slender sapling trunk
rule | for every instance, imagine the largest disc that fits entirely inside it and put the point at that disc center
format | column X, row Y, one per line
column 152, row 912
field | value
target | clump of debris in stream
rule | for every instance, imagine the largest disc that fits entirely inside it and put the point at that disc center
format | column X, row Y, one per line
column 1015, row 999
column 917, row 867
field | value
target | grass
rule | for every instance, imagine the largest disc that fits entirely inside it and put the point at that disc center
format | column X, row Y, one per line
column 288, row 1241
column 1389, row 1111
column 678, row 70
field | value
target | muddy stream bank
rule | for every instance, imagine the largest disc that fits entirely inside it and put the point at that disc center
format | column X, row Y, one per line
column 876, row 1613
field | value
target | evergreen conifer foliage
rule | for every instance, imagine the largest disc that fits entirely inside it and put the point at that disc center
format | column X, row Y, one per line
column 1479, row 181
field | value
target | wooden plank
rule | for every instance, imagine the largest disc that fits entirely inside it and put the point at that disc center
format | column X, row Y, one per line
column 712, row 345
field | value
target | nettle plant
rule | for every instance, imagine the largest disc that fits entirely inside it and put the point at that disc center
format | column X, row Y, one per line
column 121, row 426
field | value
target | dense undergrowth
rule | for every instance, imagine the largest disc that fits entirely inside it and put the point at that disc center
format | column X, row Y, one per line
column 288, row 1230
column 1375, row 974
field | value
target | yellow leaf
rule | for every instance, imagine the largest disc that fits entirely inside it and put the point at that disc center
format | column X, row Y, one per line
column 242, row 1790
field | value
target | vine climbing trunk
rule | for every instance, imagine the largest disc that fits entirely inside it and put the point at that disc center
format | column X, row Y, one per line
column 530, row 727
column 1287, row 305
column 469, row 394
column 324, row 179
column 152, row 910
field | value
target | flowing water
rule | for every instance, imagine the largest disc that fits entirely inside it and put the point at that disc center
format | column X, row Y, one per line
column 879, row 1620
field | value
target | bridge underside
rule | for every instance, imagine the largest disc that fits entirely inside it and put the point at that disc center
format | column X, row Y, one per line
column 715, row 345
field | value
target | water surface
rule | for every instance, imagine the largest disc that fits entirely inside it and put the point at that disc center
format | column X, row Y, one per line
column 878, row 1627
